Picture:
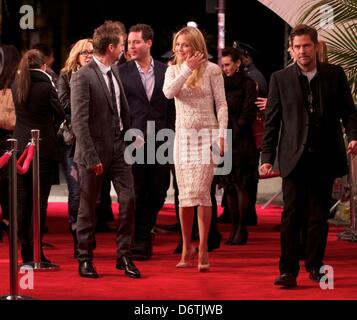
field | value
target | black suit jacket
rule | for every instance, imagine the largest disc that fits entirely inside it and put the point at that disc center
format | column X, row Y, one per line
column 158, row 109
column 42, row 111
column 241, row 95
column 286, row 115
column 92, row 115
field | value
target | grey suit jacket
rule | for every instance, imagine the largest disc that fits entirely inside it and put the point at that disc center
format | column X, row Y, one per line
column 92, row 115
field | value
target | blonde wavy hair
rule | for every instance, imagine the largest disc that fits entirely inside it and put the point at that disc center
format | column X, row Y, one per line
column 71, row 64
column 197, row 42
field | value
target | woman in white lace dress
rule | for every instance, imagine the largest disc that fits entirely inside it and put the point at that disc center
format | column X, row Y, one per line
column 197, row 86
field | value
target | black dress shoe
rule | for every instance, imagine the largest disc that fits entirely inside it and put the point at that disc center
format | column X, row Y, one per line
column 286, row 280
column 315, row 275
column 125, row 263
column 87, row 270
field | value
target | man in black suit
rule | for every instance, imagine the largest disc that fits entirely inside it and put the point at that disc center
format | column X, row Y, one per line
column 143, row 79
column 306, row 104
column 100, row 117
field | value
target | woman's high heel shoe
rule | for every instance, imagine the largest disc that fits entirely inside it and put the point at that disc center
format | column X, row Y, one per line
column 202, row 267
column 190, row 259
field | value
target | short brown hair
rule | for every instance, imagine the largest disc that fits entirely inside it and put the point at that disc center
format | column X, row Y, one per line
column 146, row 31
column 108, row 33
column 303, row 29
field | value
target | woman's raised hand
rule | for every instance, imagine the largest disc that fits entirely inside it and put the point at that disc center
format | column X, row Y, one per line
column 195, row 60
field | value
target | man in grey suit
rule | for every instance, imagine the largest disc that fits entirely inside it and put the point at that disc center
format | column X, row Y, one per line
column 100, row 118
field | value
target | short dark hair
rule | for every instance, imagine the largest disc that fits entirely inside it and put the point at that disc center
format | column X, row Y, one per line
column 304, row 29
column 233, row 53
column 108, row 33
column 146, row 31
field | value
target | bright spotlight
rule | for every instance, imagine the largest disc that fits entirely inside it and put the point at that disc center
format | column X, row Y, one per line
column 192, row 24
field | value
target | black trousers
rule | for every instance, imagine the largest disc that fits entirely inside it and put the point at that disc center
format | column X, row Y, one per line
column 90, row 186
column 151, row 184
column 307, row 194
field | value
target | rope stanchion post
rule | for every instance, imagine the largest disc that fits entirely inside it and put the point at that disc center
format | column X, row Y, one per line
column 37, row 264
column 351, row 233
column 13, row 228
column 36, row 198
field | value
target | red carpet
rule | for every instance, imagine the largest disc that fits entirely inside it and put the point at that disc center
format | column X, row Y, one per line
column 237, row 272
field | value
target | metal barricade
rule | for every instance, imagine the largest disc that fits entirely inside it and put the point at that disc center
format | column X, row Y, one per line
column 14, row 289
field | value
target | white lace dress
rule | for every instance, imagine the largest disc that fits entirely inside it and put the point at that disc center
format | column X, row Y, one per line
column 196, row 129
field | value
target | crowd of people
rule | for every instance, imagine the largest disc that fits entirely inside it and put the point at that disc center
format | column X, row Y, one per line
column 111, row 85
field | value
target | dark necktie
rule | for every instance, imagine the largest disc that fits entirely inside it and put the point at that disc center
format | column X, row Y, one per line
column 112, row 91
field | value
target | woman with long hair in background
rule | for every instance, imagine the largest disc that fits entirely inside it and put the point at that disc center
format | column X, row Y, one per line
column 37, row 107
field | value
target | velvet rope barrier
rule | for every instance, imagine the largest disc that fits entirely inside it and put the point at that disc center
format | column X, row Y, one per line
column 4, row 159
column 270, row 175
column 23, row 163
